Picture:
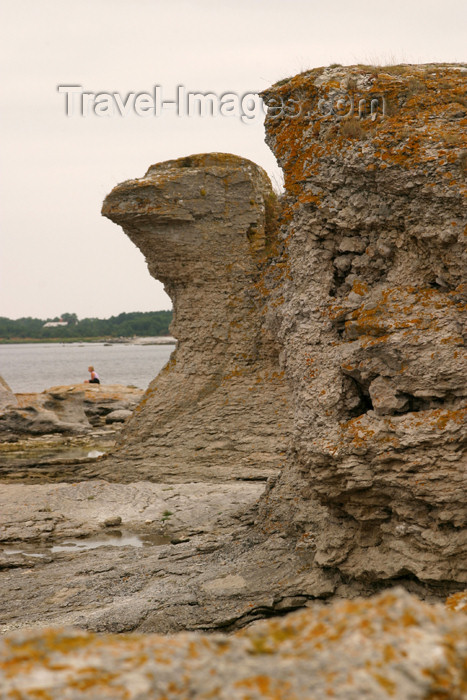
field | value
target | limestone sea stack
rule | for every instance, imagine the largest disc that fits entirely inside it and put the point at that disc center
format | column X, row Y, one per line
column 337, row 330
column 206, row 224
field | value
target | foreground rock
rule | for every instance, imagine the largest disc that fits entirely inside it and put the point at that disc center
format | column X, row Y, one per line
column 390, row 646
column 205, row 224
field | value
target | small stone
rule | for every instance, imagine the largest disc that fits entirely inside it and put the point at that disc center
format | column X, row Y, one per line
column 343, row 262
column 119, row 416
column 113, row 522
column 384, row 397
column 353, row 244
column 384, row 249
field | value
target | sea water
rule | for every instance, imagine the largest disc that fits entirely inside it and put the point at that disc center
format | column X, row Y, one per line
column 33, row 367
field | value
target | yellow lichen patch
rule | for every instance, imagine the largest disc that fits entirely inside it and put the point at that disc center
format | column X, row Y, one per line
column 388, row 685
column 267, row 687
column 357, row 431
column 400, row 308
column 457, row 602
column 413, row 130
column 360, row 288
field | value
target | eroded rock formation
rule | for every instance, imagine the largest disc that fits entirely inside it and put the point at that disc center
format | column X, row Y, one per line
column 363, row 289
column 371, row 314
column 69, row 410
column 359, row 296
column 205, row 225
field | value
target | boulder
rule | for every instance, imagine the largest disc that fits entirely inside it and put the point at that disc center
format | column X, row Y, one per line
column 118, row 416
column 390, row 646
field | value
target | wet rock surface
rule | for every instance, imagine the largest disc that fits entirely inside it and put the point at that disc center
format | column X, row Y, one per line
column 53, row 435
column 54, row 457
column 83, row 553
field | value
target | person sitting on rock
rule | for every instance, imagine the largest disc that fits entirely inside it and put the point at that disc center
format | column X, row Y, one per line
column 94, row 376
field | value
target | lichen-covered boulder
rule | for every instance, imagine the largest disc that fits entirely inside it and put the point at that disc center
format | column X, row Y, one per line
column 390, row 646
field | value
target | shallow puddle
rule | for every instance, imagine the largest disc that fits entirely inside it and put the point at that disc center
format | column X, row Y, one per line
column 8, row 550
column 114, row 539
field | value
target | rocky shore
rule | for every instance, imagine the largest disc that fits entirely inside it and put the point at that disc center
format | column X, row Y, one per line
column 50, row 435
column 305, row 444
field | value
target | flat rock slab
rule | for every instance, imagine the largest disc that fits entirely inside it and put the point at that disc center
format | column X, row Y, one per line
column 133, row 578
column 46, row 513
column 211, row 571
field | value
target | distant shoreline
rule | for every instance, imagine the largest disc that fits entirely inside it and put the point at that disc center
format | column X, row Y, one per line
column 135, row 340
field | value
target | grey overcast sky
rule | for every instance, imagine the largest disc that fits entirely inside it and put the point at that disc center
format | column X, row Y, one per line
column 57, row 253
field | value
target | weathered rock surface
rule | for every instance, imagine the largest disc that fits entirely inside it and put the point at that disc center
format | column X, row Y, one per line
column 54, row 457
column 205, row 224
column 109, row 580
column 7, row 397
column 69, row 410
column 390, row 646
column 359, row 297
column 374, row 350
column 82, row 509
column 118, row 416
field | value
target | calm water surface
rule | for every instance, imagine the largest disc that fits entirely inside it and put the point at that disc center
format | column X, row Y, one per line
column 36, row 367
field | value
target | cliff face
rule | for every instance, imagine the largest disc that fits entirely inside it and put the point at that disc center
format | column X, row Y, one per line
column 371, row 313
column 218, row 410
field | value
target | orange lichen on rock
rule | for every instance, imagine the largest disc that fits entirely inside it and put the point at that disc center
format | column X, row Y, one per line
column 457, row 602
column 390, row 646
column 375, row 209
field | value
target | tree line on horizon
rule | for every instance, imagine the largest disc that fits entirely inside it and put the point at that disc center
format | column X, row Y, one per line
column 125, row 325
